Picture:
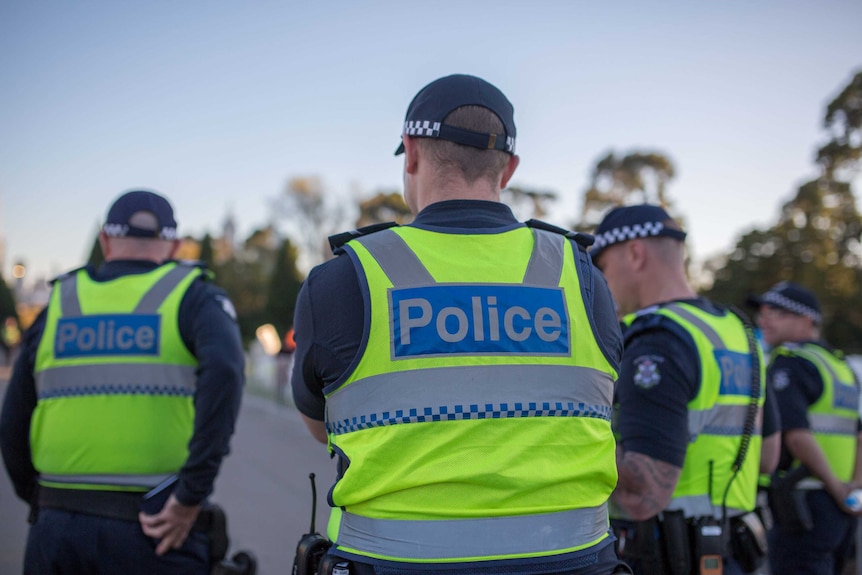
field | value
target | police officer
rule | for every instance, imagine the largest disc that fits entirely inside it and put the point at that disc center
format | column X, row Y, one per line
column 133, row 373
column 818, row 397
column 689, row 390
column 461, row 368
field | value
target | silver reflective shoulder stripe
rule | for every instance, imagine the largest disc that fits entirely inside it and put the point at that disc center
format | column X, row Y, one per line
column 101, row 379
column 70, row 305
column 399, row 262
column 146, row 481
column 817, row 358
column 720, row 420
column 831, row 424
column 157, row 294
column 546, row 262
column 470, row 392
column 459, row 539
column 704, row 327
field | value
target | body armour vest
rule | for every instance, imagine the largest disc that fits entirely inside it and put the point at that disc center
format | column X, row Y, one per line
column 114, row 382
column 475, row 425
column 717, row 415
column 833, row 417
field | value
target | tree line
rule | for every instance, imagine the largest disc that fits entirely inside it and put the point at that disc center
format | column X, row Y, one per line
column 814, row 241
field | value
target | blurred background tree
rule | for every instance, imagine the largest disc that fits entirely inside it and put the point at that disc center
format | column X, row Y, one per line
column 816, row 240
column 637, row 177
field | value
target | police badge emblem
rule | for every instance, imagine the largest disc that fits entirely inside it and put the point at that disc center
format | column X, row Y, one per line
column 647, row 374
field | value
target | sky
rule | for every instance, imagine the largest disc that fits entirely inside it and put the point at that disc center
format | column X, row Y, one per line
column 218, row 104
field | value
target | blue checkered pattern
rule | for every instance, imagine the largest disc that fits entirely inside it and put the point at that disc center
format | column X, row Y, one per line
column 473, row 411
column 116, row 390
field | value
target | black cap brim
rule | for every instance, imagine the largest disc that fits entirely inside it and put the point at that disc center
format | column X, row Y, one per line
column 400, row 149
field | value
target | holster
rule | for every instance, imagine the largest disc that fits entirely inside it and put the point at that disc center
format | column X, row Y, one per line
column 789, row 505
column 677, row 542
column 212, row 521
column 639, row 543
column 748, row 541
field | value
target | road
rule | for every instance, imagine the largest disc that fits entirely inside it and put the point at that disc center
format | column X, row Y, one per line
column 263, row 486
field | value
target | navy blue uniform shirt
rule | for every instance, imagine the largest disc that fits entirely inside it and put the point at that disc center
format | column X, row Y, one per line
column 330, row 312
column 208, row 328
column 660, row 375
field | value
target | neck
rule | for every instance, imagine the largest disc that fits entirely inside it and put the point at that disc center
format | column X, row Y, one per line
column 439, row 188
column 665, row 285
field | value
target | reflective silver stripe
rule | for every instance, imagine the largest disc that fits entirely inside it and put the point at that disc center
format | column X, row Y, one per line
column 470, row 392
column 719, row 420
column 456, row 539
column 700, row 506
column 137, row 378
column 546, row 262
column 832, row 424
column 704, row 327
column 157, row 294
column 821, row 361
column 397, row 260
column 70, row 305
column 115, row 480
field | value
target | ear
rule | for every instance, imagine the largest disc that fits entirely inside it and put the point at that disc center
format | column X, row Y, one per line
column 411, row 154
column 636, row 251
column 510, row 168
column 175, row 247
column 105, row 244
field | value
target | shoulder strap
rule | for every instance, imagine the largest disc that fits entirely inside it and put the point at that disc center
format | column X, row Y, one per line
column 338, row 240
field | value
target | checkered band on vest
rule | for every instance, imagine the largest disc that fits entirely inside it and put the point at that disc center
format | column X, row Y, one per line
column 422, row 128
column 625, row 233
column 776, row 299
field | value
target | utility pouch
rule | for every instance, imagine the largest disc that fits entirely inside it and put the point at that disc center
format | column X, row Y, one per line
column 212, row 521
column 707, row 538
column 677, row 542
column 748, row 541
column 789, row 505
column 639, row 543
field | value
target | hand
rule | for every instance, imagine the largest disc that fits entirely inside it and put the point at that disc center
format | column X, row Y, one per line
column 171, row 525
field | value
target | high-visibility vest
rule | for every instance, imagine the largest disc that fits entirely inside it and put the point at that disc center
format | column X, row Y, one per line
column 475, row 425
column 717, row 415
column 833, row 417
column 114, row 382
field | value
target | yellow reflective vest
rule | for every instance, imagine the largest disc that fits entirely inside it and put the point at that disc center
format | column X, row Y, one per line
column 833, row 417
column 475, row 425
column 114, row 382
column 717, row 414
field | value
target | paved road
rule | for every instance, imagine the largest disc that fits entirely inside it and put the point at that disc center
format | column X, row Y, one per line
column 263, row 486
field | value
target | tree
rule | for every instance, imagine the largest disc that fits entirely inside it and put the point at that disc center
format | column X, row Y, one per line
column 283, row 288
column 207, row 255
column 310, row 219
column 384, row 206
column 816, row 240
column 7, row 301
column 637, row 177
column 527, row 203
column 96, row 258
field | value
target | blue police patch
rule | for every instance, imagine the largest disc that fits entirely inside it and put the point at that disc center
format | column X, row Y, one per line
column 105, row 335
column 735, row 371
column 647, row 374
column 845, row 396
column 478, row 319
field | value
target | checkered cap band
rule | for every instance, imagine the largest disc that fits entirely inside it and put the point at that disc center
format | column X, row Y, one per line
column 125, row 230
column 776, row 299
column 422, row 128
column 626, row 233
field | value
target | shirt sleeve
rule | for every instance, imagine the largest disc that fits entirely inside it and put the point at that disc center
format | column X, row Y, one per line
column 604, row 316
column 797, row 385
column 659, row 376
column 17, row 412
column 771, row 417
column 329, row 322
column 208, row 327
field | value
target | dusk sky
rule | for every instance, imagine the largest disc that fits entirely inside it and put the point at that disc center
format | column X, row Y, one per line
column 217, row 104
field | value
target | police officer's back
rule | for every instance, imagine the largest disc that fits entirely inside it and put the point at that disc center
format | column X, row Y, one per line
column 131, row 377
column 461, row 367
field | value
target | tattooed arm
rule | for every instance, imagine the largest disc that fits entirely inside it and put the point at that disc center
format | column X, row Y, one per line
column 645, row 484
